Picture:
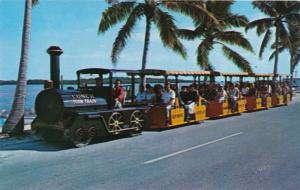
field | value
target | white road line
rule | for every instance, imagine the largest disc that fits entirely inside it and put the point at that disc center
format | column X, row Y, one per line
column 191, row 148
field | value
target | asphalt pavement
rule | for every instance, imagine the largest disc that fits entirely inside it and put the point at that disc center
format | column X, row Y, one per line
column 258, row 150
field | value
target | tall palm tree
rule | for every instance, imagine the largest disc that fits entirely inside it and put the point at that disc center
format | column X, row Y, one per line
column 132, row 11
column 292, row 45
column 211, row 34
column 15, row 123
column 278, row 12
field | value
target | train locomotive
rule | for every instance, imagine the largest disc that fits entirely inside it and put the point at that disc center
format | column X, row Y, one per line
column 83, row 115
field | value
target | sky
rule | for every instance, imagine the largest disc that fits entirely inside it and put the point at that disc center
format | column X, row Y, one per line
column 73, row 24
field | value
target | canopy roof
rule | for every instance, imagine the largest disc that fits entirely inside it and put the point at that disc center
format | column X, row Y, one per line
column 158, row 72
column 102, row 71
column 171, row 72
column 241, row 74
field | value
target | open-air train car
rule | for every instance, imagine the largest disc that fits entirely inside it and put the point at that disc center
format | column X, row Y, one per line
column 157, row 113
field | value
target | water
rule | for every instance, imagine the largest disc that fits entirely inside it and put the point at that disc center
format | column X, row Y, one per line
column 2, row 120
column 7, row 94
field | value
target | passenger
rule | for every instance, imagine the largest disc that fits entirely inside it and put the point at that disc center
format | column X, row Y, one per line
column 244, row 90
column 233, row 96
column 168, row 98
column 191, row 101
column 98, row 90
column 183, row 95
column 221, row 95
column 264, row 94
column 141, row 95
column 238, row 86
column 285, row 89
column 118, row 94
column 252, row 90
column 149, row 93
column 211, row 92
column 158, row 92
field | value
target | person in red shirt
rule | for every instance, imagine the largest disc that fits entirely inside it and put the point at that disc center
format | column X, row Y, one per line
column 118, row 94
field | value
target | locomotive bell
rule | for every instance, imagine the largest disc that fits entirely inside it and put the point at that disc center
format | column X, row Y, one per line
column 55, row 52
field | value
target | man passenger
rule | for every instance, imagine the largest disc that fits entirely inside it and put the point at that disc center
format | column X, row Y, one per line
column 168, row 98
column 118, row 94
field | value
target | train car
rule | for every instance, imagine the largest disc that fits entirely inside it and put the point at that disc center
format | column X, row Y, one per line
column 216, row 109
column 157, row 113
column 84, row 114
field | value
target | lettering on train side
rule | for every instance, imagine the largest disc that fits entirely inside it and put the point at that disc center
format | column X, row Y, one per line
column 83, row 99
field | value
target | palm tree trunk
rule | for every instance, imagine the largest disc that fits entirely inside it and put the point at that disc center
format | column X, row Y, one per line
column 291, row 69
column 15, row 122
column 146, row 47
column 276, row 53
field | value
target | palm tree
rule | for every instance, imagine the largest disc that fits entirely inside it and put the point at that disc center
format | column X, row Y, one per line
column 292, row 45
column 278, row 12
column 14, row 125
column 132, row 11
column 212, row 34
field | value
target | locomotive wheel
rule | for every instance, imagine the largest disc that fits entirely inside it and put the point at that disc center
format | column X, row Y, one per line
column 81, row 136
column 137, row 120
column 115, row 122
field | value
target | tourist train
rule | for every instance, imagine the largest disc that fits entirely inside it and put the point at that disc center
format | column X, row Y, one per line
column 102, row 106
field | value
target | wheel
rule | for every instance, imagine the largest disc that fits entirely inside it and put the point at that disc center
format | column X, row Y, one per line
column 83, row 136
column 137, row 120
column 115, row 123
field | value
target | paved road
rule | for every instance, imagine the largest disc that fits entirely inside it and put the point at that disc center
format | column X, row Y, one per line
column 259, row 150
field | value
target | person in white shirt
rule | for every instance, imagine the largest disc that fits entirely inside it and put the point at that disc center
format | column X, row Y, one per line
column 168, row 98
column 222, row 95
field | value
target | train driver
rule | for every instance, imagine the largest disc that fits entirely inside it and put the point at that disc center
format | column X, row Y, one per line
column 118, row 94
column 168, row 98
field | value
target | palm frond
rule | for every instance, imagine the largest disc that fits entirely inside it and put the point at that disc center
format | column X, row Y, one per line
column 280, row 49
column 261, row 24
column 166, row 26
column 187, row 34
column 191, row 34
column 114, row 14
column 236, row 20
column 195, row 10
column 294, row 6
column 125, row 32
column 265, row 42
column 265, row 7
column 203, row 52
column 237, row 59
column 234, row 38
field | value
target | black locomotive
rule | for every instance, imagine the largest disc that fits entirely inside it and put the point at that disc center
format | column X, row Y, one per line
column 81, row 115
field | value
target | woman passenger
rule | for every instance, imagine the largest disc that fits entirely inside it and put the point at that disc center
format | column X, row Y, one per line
column 221, row 95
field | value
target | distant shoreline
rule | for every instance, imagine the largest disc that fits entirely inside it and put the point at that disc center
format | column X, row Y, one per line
column 124, row 80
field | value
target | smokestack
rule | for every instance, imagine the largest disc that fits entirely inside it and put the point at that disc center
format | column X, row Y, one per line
column 55, row 52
